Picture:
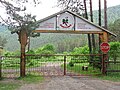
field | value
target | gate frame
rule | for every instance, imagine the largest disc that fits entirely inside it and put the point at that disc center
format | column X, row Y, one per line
column 103, row 35
column 65, row 70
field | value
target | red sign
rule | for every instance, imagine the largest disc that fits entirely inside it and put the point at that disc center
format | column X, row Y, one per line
column 105, row 47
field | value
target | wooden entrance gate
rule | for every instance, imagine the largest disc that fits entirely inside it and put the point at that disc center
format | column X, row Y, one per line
column 59, row 65
column 52, row 65
column 65, row 22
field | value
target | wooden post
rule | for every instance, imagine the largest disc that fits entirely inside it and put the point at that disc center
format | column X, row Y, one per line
column 105, row 57
column 64, row 65
column 23, row 42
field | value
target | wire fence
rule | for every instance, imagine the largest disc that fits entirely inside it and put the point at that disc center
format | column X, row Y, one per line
column 113, row 64
column 52, row 65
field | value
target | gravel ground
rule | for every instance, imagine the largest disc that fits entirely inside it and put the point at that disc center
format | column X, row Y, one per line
column 73, row 83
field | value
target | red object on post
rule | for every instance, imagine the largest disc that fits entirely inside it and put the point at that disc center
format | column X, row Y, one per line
column 105, row 47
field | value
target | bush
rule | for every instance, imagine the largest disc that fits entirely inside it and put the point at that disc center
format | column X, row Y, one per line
column 114, row 50
column 71, row 64
column 81, row 50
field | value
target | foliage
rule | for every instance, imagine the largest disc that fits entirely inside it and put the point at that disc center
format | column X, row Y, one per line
column 72, row 5
column 71, row 64
column 47, row 49
column 114, row 50
column 112, row 76
column 113, row 14
column 30, row 52
column 30, row 78
column 8, row 53
column 17, row 19
column 3, row 41
column 9, row 85
column 115, row 27
column 77, row 68
column 15, row 53
column 68, row 44
column 81, row 50
column 17, row 83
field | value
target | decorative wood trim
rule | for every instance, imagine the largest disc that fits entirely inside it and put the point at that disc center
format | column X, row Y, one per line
column 65, row 31
column 105, row 37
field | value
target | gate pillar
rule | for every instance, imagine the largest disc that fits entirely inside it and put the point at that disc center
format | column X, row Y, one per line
column 104, row 38
column 23, row 41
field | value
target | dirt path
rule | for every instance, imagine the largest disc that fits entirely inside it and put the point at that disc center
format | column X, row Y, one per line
column 73, row 83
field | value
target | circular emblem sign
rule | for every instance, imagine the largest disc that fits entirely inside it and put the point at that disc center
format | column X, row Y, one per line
column 105, row 47
column 66, row 21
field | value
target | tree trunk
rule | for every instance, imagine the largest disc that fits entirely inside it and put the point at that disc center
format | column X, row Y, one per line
column 99, row 12
column 105, row 14
column 91, row 15
column 89, row 38
column 23, row 41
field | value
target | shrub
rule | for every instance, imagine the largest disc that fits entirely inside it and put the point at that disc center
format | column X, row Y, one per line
column 71, row 64
column 114, row 50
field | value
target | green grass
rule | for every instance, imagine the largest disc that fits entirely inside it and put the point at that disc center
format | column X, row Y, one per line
column 17, row 83
column 115, row 76
column 113, row 66
column 9, row 86
column 31, row 78
column 77, row 68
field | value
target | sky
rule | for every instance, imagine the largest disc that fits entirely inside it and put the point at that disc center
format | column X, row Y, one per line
column 48, row 7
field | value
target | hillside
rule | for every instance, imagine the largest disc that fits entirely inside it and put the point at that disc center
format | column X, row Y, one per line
column 113, row 13
column 13, row 44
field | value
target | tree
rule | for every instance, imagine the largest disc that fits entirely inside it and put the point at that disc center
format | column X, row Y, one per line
column 3, row 41
column 114, row 50
column 72, row 5
column 49, row 47
column 20, row 22
column 115, row 28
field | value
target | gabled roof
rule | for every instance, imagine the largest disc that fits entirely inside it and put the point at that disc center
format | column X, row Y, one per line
column 87, row 21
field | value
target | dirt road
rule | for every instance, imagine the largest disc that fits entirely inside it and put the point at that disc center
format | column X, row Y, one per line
column 73, row 83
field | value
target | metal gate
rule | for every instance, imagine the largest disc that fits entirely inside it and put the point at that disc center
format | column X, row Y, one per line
column 113, row 64
column 46, row 65
column 58, row 65
column 52, row 65
column 10, row 66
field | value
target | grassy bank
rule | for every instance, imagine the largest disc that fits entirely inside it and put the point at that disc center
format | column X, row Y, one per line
column 115, row 76
column 17, row 83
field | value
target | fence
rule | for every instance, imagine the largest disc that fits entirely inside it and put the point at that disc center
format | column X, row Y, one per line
column 52, row 65
column 113, row 64
column 10, row 66
column 57, row 65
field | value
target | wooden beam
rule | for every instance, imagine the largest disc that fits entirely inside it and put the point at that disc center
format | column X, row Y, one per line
column 105, row 37
column 71, row 32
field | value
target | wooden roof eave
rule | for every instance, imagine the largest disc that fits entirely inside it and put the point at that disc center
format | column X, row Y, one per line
column 60, row 12
column 93, row 24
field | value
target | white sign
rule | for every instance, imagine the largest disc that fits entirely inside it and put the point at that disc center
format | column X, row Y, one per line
column 65, row 22
column 82, row 25
column 49, row 24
